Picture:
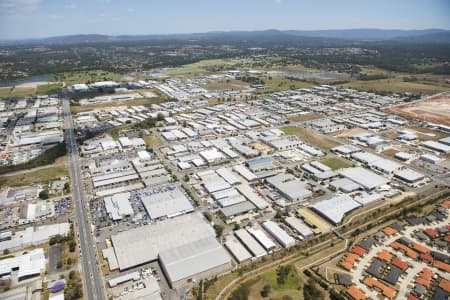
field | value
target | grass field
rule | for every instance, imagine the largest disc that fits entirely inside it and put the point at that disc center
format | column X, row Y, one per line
column 200, row 67
column 310, row 137
column 280, row 83
column 389, row 152
column 152, row 141
column 291, row 287
column 298, row 68
column 397, row 85
column 231, row 84
column 304, row 118
column 46, row 89
column 425, row 134
column 39, row 176
column 71, row 78
column 371, row 70
column 336, row 163
column 25, row 91
column 9, row 92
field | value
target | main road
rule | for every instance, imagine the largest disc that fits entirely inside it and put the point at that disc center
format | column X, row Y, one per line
column 92, row 279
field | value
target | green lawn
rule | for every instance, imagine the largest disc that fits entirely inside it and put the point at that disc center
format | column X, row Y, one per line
column 304, row 118
column 299, row 68
column 71, row 78
column 308, row 136
column 281, row 83
column 292, row 281
column 152, row 141
column 39, row 176
column 46, row 89
column 397, row 85
column 231, row 84
column 200, row 67
column 336, row 163
column 16, row 92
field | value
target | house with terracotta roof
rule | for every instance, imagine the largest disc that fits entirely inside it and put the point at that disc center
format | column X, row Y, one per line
column 441, row 266
column 403, row 265
column 359, row 251
column 445, row 204
column 426, row 273
column 420, row 248
column 445, row 285
column 389, row 231
column 432, row 233
column 408, row 251
column 356, row 293
column 349, row 261
column 423, row 281
column 385, row 255
column 387, row 291
column 426, row 258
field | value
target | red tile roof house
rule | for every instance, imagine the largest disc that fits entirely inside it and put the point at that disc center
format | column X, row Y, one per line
column 400, row 263
column 426, row 258
column 431, row 233
column 359, row 251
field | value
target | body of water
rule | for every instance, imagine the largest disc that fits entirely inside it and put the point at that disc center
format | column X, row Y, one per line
column 28, row 80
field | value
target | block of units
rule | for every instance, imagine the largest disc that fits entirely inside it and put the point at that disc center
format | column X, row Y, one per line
column 263, row 239
column 250, row 243
column 279, row 234
column 300, row 227
column 240, row 253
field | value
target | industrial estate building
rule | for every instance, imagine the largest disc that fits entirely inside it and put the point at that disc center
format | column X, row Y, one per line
column 185, row 246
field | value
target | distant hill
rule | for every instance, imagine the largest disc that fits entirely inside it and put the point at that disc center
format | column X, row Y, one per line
column 305, row 37
column 367, row 34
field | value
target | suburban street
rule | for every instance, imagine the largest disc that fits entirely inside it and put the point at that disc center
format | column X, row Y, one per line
column 92, row 279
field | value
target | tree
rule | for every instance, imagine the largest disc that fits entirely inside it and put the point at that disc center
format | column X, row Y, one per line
column 43, row 194
column 265, row 290
column 186, row 178
column 160, row 117
column 311, row 290
column 219, row 229
column 6, row 252
column 73, row 288
column 72, row 245
column 207, row 216
column 279, row 214
column 67, row 187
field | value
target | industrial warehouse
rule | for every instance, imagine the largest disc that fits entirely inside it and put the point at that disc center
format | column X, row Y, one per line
column 185, row 246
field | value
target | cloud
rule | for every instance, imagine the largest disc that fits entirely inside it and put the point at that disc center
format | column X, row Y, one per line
column 70, row 6
column 26, row 4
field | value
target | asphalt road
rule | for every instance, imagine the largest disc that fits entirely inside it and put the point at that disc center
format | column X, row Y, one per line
column 92, row 279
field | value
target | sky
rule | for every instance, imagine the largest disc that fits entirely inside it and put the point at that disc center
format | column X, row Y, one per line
column 21, row 19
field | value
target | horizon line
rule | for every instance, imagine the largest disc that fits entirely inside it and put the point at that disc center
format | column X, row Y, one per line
column 218, row 31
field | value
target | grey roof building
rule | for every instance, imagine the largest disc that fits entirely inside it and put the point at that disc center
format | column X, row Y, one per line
column 193, row 261
column 165, row 201
column 289, row 187
column 367, row 179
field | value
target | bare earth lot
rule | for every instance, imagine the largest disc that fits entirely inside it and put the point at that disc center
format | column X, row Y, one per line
column 434, row 109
